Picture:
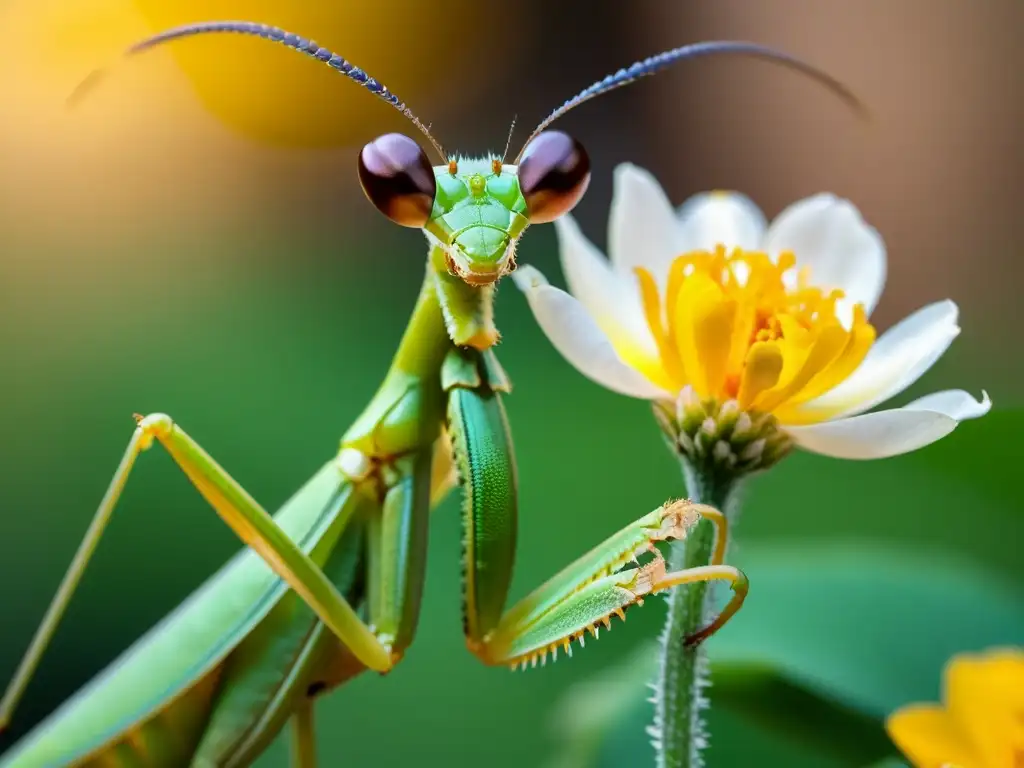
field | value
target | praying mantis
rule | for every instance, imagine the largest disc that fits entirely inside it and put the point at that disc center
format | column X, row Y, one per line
column 331, row 585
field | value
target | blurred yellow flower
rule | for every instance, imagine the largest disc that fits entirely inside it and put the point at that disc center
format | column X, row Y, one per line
column 980, row 723
column 711, row 308
column 271, row 94
column 140, row 148
column 142, row 151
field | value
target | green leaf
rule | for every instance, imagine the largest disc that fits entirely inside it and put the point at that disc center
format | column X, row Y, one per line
column 602, row 723
column 734, row 741
column 870, row 628
column 798, row 715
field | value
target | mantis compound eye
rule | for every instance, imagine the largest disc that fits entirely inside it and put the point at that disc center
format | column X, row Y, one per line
column 553, row 175
column 397, row 178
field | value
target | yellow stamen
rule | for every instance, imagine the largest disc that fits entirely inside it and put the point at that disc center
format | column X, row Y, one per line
column 764, row 364
column 703, row 319
column 731, row 326
column 652, row 311
column 858, row 343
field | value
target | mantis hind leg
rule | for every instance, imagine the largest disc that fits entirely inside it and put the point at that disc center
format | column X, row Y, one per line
column 292, row 659
column 250, row 522
column 585, row 594
column 303, row 736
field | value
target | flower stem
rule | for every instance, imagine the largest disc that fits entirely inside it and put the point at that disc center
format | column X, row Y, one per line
column 678, row 730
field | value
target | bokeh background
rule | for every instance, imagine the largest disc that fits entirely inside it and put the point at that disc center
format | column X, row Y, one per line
column 193, row 239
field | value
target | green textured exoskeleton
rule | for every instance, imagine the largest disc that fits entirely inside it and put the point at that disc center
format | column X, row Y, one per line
column 331, row 584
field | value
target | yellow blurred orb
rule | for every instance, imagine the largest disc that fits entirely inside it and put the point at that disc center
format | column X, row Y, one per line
column 273, row 94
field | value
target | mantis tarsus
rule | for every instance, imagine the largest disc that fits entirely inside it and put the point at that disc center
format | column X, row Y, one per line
column 331, row 584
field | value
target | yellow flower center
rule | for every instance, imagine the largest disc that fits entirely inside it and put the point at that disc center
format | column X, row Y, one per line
column 729, row 326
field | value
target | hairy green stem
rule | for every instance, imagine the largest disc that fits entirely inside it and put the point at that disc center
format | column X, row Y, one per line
column 678, row 730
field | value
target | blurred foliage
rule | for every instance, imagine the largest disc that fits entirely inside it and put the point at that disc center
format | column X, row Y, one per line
column 866, row 626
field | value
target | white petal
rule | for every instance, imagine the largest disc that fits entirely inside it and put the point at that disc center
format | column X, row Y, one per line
column 955, row 403
column 829, row 236
column 728, row 218
column 890, row 433
column 578, row 338
column 613, row 300
column 874, row 435
column 898, row 359
column 642, row 229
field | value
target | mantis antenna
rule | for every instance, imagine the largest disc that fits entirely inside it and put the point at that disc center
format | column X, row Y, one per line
column 508, row 141
column 276, row 35
column 654, row 64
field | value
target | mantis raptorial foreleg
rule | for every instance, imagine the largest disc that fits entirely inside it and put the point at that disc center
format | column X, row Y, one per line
column 585, row 594
column 591, row 590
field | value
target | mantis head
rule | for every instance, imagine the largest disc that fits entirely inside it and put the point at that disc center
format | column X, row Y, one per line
column 478, row 209
column 475, row 209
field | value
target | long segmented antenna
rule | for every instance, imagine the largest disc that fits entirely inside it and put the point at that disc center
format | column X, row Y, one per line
column 654, row 64
column 276, row 35
column 508, row 141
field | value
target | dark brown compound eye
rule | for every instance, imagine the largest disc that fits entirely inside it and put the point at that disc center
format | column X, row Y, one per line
column 397, row 178
column 553, row 175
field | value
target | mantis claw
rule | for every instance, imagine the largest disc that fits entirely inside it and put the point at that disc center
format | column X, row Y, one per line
column 588, row 593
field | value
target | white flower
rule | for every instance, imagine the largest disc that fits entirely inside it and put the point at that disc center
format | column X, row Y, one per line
column 710, row 300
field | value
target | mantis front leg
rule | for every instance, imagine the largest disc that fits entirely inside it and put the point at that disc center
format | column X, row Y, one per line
column 585, row 594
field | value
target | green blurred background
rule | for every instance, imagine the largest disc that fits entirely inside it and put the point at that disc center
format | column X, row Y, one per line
column 193, row 240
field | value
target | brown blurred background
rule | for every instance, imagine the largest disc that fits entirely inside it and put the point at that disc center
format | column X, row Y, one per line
column 939, row 171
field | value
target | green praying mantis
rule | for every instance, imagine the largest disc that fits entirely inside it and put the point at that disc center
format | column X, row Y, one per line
column 331, row 584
